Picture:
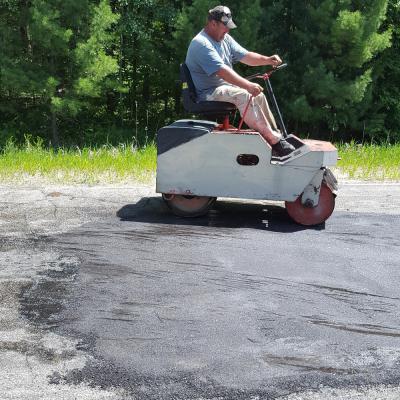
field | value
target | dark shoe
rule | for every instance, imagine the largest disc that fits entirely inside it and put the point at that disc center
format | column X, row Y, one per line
column 282, row 149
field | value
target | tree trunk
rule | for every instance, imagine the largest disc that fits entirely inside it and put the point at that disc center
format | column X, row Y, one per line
column 54, row 130
column 24, row 28
column 133, row 85
column 146, row 89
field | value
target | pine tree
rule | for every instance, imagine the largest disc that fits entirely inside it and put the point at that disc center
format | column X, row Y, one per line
column 331, row 47
column 70, row 65
column 55, row 59
column 382, row 118
column 147, row 60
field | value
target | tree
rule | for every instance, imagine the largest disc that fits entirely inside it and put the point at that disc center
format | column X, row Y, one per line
column 55, row 59
column 383, row 116
column 331, row 47
column 73, row 68
column 147, row 61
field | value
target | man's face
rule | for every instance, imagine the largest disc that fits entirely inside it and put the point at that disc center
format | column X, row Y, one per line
column 219, row 30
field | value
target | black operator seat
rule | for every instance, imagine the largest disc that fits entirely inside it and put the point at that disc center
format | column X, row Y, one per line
column 206, row 108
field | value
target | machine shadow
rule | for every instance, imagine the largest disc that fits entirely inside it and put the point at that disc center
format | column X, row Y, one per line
column 224, row 214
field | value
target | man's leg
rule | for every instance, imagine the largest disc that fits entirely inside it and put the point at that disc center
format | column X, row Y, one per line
column 258, row 116
column 263, row 104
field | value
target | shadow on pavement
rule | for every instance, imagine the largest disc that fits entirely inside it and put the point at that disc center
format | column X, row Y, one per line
column 224, row 214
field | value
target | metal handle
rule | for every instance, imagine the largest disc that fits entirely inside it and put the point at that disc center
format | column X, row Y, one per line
column 280, row 67
column 262, row 75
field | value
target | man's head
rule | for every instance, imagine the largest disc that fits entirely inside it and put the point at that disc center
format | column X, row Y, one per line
column 219, row 22
column 222, row 14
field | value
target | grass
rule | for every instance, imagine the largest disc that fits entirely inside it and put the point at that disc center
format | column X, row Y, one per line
column 126, row 163
column 370, row 162
column 105, row 164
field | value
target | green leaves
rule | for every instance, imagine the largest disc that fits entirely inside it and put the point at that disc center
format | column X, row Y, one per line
column 354, row 41
column 333, row 50
column 46, row 29
column 61, row 58
column 67, row 65
column 94, row 64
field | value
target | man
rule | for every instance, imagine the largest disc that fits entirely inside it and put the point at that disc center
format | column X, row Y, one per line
column 210, row 57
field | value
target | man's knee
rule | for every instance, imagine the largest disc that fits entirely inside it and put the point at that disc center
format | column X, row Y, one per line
column 260, row 98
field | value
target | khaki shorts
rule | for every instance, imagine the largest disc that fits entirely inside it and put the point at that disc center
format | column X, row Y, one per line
column 258, row 114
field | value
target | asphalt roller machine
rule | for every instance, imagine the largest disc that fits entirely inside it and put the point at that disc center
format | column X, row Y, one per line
column 200, row 160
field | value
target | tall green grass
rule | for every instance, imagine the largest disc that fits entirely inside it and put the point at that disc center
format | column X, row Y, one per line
column 105, row 164
column 125, row 163
column 369, row 161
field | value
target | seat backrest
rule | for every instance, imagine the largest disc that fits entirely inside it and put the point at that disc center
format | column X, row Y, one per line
column 211, row 109
column 188, row 89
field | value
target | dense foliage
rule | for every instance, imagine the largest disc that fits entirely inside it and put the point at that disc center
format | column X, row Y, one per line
column 96, row 71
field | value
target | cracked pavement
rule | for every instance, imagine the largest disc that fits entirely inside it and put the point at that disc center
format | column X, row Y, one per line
column 29, row 217
column 33, row 360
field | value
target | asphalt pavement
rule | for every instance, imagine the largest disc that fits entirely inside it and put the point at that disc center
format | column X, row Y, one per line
column 104, row 294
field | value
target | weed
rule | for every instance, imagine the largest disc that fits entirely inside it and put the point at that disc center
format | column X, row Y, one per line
column 126, row 163
column 107, row 163
column 370, row 162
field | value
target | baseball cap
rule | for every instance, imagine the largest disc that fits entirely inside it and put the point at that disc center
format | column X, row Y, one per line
column 222, row 14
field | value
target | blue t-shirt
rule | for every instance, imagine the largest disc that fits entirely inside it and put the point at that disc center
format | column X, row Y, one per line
column 205, row 57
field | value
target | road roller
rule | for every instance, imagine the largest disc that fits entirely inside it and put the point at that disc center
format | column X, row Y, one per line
column 199, row 160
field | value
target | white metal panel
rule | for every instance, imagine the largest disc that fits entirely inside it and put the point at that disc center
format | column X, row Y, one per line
column 207, row 166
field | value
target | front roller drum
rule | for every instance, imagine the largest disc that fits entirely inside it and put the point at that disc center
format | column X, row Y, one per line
column 188, row 206
column 308, row 215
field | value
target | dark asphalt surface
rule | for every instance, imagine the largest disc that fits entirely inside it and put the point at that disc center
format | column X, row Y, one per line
column 239, row 304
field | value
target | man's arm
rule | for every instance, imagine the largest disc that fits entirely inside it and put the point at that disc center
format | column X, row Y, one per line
column 230, row 76
column 255, row 59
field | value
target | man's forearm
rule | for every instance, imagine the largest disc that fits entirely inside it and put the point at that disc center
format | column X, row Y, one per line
column 230, row 76
column 255, row 59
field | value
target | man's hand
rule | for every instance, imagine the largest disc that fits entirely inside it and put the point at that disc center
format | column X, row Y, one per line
column 274, row 60
column 254, row 89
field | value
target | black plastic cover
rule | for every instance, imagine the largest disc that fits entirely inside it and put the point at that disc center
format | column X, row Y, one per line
column 180, row 132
